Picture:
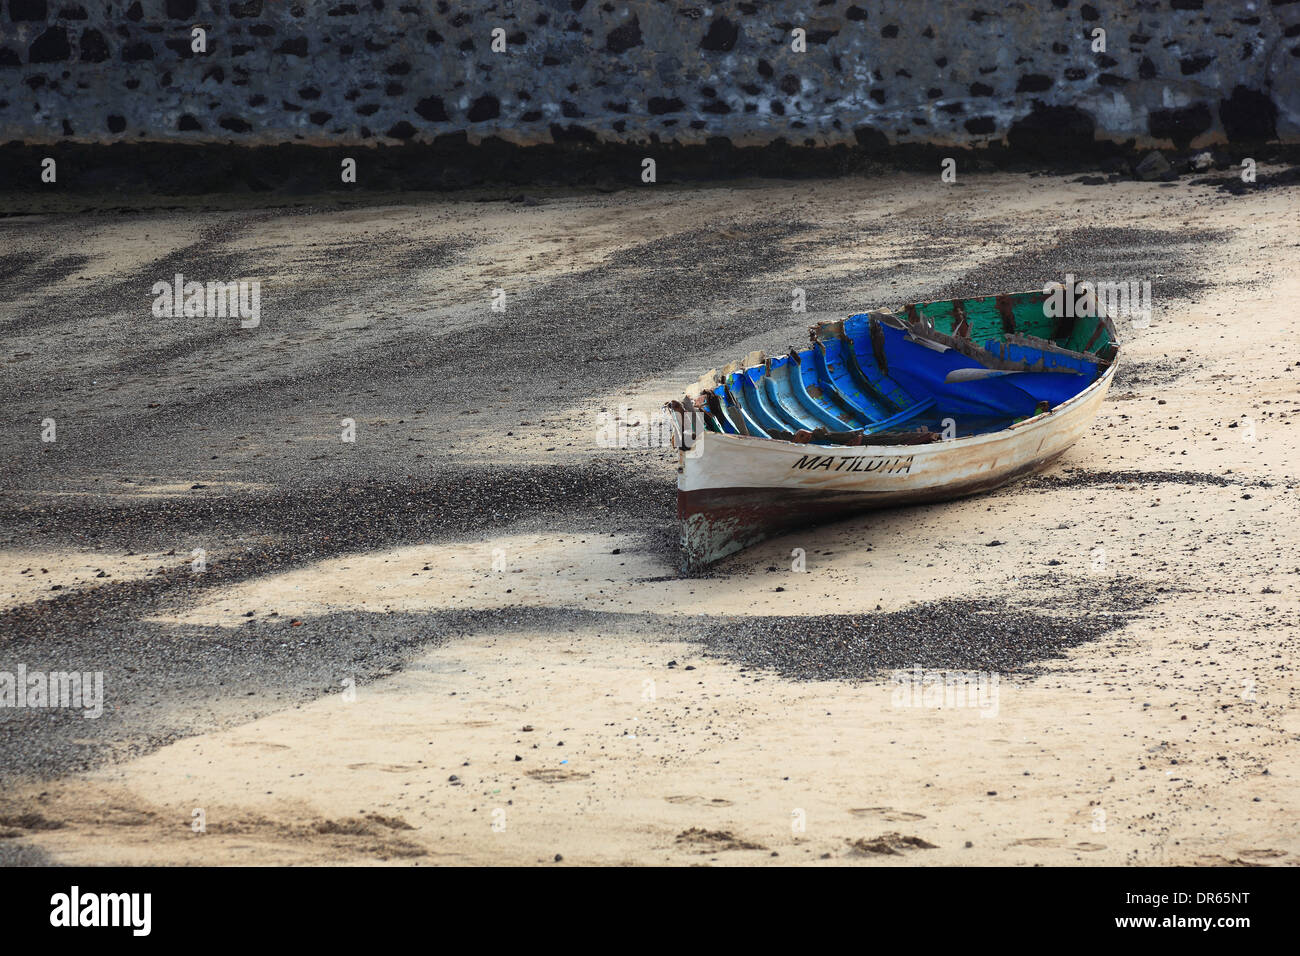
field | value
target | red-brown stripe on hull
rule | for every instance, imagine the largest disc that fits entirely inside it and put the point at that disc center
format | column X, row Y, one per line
column 716, row 522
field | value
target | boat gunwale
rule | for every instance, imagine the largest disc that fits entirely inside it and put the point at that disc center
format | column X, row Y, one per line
column 926, row 449
column 677, row 420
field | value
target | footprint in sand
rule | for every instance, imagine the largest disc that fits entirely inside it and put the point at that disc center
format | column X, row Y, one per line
column 694, row 800
column 1262, row 854
column 385, row 767
column 712, row 841
column 1041, row 842
column 557, row 775
column 889, row 844
column 1054, row 843
column 887, row 813
column 1215, row 860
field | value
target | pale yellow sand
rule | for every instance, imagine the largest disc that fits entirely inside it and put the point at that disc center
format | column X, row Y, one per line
column 626, row 754
column 39, row 575
column 1174, row 740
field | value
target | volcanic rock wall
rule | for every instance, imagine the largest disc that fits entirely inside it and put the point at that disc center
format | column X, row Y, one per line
column 871, row 72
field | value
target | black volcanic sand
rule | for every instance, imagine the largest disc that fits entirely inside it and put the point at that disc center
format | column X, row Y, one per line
column 164, row 682
column 1236, row 186
column 1082, row 478
column 1115, row 254
column 1040, row 620
column 188, row 405
column 350, row 516
column 633, row 316
column 201, row 404
column 1150, row 373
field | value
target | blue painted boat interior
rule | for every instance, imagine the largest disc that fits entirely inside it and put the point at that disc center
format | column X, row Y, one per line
column 840, row 385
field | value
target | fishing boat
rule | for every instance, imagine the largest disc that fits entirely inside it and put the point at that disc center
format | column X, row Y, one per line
column 931, row 402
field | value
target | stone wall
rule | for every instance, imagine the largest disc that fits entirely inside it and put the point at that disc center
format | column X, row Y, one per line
column 1183, row 73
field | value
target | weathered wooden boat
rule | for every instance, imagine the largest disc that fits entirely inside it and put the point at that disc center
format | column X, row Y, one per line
column 936, row 401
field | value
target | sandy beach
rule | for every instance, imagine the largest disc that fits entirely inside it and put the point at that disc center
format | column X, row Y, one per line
column 464, row 637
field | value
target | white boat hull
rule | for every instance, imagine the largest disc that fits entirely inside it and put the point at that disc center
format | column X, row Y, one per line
column 735, row 490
